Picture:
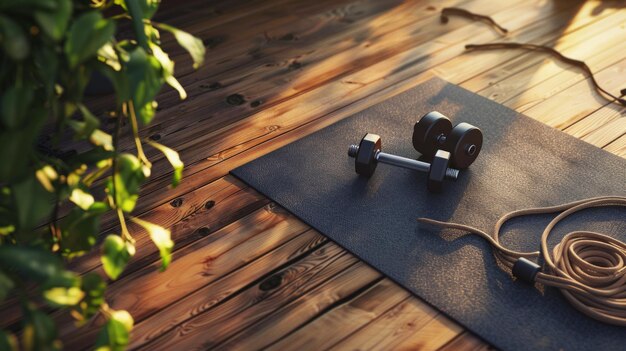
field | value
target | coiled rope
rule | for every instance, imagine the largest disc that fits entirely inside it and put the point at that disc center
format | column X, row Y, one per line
column 588, row 268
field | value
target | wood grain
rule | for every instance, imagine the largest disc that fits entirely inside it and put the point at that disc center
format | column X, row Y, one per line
column 248, row 275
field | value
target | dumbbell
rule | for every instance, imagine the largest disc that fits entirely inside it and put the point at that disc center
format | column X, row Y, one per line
column 434, row 132
column 368, row 154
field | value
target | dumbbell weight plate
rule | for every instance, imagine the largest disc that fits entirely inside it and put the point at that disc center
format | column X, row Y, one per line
column 365, row 164
column 437, row 172
column 427, row 132
column 464, row 144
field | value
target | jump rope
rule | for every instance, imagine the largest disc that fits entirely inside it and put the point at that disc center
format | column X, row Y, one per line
column 588, row 268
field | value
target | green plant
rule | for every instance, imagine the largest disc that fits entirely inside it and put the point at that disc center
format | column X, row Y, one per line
column 49, row 51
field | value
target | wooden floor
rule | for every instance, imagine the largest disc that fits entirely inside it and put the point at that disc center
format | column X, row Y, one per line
column 246, row 274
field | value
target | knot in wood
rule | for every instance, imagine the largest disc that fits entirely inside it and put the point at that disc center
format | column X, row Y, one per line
column 272, row 282
column 235, row 99
column 204, row 231
column 177, row 202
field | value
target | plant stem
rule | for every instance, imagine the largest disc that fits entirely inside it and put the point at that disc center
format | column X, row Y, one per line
column 125, row 233
column 106, row 310
column 120, row 214
column 133, row 122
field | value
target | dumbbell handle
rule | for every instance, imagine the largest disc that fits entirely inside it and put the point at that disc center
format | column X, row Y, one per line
column 404, row 162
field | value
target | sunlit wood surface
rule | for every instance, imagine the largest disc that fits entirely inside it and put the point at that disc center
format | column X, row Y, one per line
column 246, row 274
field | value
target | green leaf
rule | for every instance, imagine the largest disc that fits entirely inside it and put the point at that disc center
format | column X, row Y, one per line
column 33, row 202
column 136, row 12
column 63, row 290
column 147, row 8
column 115, row 255
column 119, row 79
column 40, row 332
column 100, row 138
column 63, row 278
column 92, row 156
column 116, row 332
column 126, row 181
column 193, row 45
column 90, row 122
column 46, row 67
column 81, row 198
column 168, row 70
column 54, row 22
column 108, row 56
column 62, row 297
column 80, row 228
column 88, row 33
column 161, row 238
column 8, row 341
column 16, row 146
column 15, row 103
column 94, row 287
column 146, row 113
column 33, row 263
column 46, row 175
column 103, row 167
column 174, row 159
column 7, row 229
column 28, row 4
column 145, row 79
column 6, row 284
column 13, row 39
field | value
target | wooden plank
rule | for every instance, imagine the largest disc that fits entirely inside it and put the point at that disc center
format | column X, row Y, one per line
column 201, row 213
column 575, row 102
column 466, row 341
column 376, row 298
column 265, row 228
column 275, row 74
column 595, row 120
column 320, row 333
column 282, row 87
column 587, row 37
column 223, row 288
column 227, row 43
column 239, row 52
column 410, row 325
column 145, row 292
column 607, row 134
column 618, row 147
column 498, row 65
column 214, row 24
column 328, row 263
column 193, row 215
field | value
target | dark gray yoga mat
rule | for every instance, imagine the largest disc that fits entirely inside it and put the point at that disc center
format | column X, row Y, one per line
column 523, row 164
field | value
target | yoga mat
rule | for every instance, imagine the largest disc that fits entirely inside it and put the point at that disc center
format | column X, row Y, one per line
column 523, row 163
